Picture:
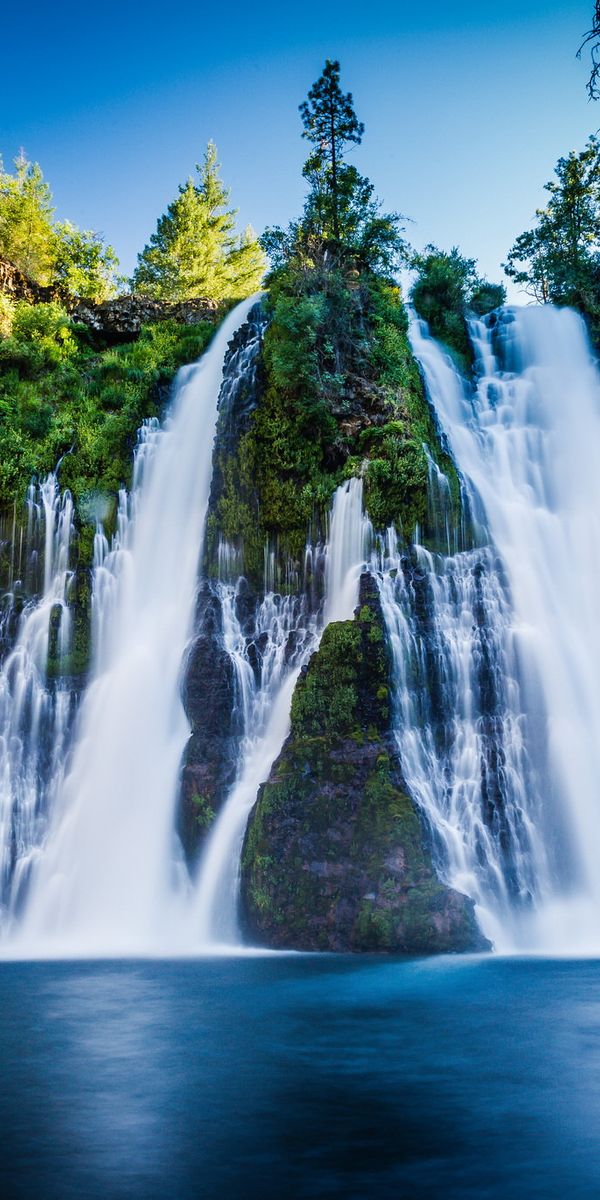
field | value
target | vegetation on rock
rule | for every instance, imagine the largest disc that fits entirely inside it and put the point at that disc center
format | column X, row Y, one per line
column 62, row 399
column 340, row 392
column 335, row 857
column 447, row 289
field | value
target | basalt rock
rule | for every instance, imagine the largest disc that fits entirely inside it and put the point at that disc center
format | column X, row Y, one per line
column 336, row 856
column 113, row 321
column 209, row 697
column 17, row 286
column 121, row 319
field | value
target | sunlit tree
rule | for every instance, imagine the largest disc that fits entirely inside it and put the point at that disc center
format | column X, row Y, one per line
column 195, row 251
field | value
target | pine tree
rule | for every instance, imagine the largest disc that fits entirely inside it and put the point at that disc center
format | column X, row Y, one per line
column 195, row 251
column 331, row 124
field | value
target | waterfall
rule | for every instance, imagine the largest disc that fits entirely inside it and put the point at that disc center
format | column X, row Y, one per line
column 527, row 441
column 111, row 878
column 35, row 714
column 287, row 631
column 462, row 728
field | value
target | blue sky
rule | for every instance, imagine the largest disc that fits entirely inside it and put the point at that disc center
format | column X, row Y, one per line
column 466, row 107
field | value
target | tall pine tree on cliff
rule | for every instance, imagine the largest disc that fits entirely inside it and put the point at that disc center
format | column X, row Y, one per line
column 331, row 124
column 195, row 250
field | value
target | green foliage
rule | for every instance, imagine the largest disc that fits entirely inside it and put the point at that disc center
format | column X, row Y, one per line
column 7, row 314
column 203, row 811
column 558, row 261
column 26, row 220
column 59, row 397
column 341, row 395
column 49, row 252
column 325, row 705
column 84, row 266
column 446, row 289
column 195, row 251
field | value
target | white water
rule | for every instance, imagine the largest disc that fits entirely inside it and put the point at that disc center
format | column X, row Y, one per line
column 34, row 717
column 109, row 880
column 266, row 700
column 529, row 444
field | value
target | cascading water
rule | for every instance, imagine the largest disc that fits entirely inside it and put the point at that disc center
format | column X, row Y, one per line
column 35, row 715
column 528, row 443
column 462, row 731
column 287, row 631
column 111, row 877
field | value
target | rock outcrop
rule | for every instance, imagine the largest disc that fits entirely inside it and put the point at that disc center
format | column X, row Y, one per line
column 121, row 319
column 210, row 759
column 336, row 856
column 113, row 321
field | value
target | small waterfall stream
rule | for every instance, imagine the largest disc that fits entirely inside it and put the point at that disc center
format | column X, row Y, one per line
column 35, row 716
column 289, row 630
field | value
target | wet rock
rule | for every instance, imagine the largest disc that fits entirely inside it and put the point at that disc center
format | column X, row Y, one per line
column 336, row 856
column 210, row 758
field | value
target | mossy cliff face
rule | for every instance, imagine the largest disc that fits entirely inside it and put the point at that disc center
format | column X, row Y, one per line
column 335, row 856
column 338, row 394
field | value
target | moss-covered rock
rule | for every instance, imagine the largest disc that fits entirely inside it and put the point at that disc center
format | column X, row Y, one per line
column 339, row 393
column 335, row 855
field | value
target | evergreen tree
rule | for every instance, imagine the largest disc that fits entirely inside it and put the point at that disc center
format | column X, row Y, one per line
column 331, row 124
column 342, row 219
column 195, row 251
column 26, row 220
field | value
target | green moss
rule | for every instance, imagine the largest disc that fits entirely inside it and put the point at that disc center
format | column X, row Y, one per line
column 335, row 856
column 336, row 360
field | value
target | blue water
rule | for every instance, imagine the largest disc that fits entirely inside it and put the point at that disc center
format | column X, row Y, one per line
column 300, row 1077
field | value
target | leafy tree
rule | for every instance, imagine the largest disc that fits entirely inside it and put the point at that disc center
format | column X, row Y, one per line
column 195, row 251
column 331, row 124
column 558, row 261
column 84, row 266
column 446, row 290
column 50, row 252
column 26, row 220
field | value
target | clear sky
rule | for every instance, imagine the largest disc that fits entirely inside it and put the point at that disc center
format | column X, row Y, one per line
column 466, row 106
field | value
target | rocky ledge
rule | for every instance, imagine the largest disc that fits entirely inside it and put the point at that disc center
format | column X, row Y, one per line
column 336, row 856
column 113, row 321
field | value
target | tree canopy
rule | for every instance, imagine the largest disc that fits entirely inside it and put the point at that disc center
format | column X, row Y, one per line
column 558, row 260
column 446, row 290
column 195, row 250
column 50, row 252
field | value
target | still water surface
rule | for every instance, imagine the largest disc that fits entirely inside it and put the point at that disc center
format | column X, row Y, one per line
column 275, row 1077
